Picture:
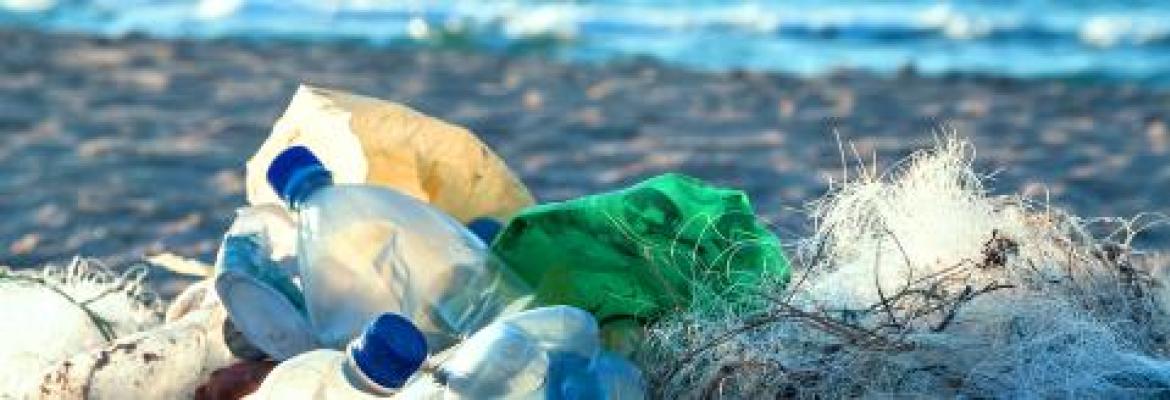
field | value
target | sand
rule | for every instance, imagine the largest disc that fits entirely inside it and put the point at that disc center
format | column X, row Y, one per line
column 118, row 149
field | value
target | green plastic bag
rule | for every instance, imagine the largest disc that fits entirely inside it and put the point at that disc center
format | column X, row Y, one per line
column 642, row 251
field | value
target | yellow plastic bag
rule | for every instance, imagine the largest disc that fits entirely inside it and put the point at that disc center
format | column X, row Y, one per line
column 366, row 140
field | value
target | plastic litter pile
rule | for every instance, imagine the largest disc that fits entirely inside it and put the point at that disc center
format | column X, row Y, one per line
column 386, row 254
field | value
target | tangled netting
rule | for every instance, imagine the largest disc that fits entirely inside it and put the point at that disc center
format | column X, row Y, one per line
column 52, row 313
column 917, row 283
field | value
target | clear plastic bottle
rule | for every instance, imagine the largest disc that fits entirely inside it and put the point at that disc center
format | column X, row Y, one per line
column 608, row 376
column 500, row 360
column 544, row 353
column 261, row 298
column 578, row 368
column 560, row 329
column 363, row 250
column 375, row 365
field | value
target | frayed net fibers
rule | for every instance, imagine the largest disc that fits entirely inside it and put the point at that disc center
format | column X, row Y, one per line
column 919, row 284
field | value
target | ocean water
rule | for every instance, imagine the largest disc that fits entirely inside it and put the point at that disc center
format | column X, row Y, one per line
column 1078, row 39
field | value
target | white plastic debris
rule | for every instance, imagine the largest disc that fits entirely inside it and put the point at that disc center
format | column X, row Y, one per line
column 316, row 375
column 48, row 315
column 375, row 364
column 167, row 362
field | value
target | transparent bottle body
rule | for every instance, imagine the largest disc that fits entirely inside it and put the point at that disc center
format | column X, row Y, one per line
column 605, row 376
column 560, row 329
column 617, row 377
column 540, row 353
column 367, row 250
column 499, row 361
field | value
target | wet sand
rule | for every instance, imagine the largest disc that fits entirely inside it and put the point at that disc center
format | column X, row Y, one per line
column 117, row 149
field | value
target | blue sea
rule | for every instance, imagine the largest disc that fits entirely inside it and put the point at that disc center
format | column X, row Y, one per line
column 1079, row 39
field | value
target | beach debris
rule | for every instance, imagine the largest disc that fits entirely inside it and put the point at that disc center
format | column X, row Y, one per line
column 643, row 251
column 368, row 249
column 202, row 296
column 548, row 352
column 235, row 381
column 264, row 302
column 166, row 362
column 53, row 313
column 365, row 140
column 919, row 284
column 375, row 364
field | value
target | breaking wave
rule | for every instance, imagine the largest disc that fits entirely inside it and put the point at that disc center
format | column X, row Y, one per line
column 1127, row 40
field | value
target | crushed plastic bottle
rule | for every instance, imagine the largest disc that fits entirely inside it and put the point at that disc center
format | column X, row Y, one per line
column 617, row 377
column 544, row 353
column 364, row 250
column 374, row 365
column 498, row 361
column 263, row 301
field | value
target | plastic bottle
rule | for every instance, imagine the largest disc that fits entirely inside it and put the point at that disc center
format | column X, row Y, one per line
column 263, row 301
column 560, row 329
column 375, row 365
column 364, row 250
column 544, row 353
column 578, row 368
column 617, row 378
column 500, row 360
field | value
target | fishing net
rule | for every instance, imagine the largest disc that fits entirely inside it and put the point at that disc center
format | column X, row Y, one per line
column 918, row 283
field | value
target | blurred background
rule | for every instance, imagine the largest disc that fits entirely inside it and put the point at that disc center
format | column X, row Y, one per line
column 124, row 124
column 1087, row 39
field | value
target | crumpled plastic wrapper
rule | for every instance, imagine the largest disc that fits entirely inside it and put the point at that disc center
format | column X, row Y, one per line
column 370, row 141
column 638, row 252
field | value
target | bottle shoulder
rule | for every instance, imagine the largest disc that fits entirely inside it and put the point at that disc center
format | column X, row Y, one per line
column 346, row 205
column 319, row 375
column 370, row 203
column 299, row 377
column 357, row 192
column 318, row 360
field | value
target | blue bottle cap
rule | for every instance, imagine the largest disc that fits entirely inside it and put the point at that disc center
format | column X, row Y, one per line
column 295, row 172
column 389, row 350
column 485, row 228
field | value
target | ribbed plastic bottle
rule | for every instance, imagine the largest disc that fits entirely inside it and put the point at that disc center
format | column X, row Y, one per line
column 363, row 250
column 544, row 353
column 375, row 365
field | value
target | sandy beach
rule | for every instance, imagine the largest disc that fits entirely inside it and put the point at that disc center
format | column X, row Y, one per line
column 118, row 149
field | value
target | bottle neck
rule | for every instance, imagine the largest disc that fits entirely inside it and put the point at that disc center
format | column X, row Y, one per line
column 359, row 380
column 304, row 183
